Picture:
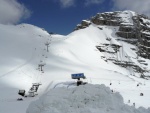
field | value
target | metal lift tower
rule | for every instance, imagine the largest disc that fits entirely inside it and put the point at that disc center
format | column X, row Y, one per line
column 47, row 44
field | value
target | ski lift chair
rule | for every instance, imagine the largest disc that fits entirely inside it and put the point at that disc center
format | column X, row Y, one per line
column 36, row 86
column 21, row 92
column 31, row 93
column 19, row 99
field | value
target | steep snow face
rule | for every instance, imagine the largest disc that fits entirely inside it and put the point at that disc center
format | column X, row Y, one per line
column 82, row 99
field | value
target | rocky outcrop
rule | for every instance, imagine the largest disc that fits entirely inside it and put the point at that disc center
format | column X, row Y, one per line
column 144, row 45
column 126, row 31
column 109, row 19
column 142, row 24
column 132, row 27
column 84, row 24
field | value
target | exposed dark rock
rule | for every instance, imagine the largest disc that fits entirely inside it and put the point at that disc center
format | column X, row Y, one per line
column 84, row 24
column 109, row 19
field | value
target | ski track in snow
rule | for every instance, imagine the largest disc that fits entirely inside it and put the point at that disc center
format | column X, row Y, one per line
column 17, row 68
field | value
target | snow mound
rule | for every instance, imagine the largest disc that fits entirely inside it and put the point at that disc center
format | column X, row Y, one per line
column 83, row 99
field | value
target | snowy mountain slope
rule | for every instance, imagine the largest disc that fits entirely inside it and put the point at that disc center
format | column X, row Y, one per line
column 17, row 48
column 23, row 49
column 97, row 69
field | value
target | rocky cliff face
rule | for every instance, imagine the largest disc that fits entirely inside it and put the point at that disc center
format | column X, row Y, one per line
column 133, row 28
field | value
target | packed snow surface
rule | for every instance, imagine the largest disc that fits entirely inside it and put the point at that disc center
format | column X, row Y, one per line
column 82, row 99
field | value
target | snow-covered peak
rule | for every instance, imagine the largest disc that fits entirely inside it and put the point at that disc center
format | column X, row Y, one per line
column 111, row 19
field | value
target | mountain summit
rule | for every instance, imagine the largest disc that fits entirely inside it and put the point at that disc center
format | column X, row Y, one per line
column 131, row 26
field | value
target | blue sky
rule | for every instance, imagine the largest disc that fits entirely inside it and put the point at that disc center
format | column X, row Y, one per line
column 54, row 17
column 62, row 16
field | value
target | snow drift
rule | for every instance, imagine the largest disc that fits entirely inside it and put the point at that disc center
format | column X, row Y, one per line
column 82, row 99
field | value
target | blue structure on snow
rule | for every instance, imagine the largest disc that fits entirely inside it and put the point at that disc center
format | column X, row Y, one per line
column 78, row 76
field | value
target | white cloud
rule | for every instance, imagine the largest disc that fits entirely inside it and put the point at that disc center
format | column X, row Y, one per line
column 89, row 2
column 139, row 6
column 67, row 3
column 11, row 12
